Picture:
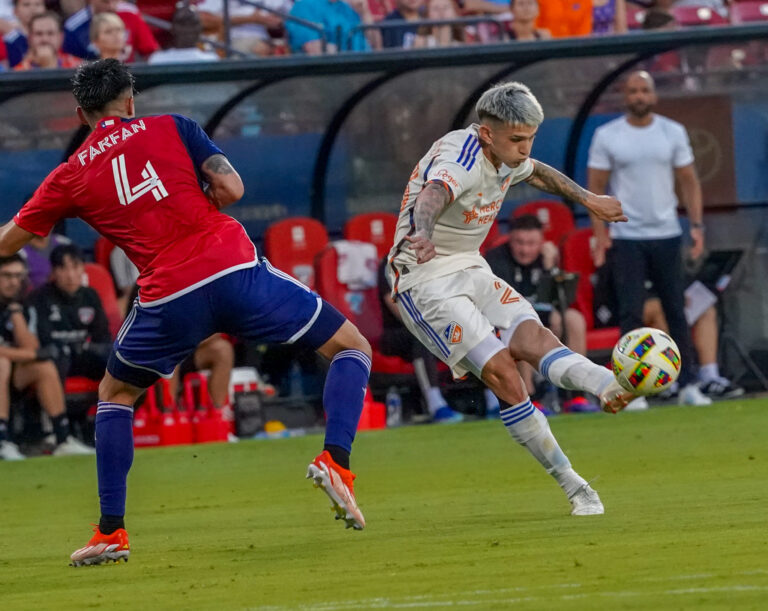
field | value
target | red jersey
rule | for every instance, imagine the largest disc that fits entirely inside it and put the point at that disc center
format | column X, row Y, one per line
column 135, row 181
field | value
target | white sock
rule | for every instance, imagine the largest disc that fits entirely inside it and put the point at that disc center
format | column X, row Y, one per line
column 529, row 427
column 572, row 371
column 709, row 372
column 435, row 400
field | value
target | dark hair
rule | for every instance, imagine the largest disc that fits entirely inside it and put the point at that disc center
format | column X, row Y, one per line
column 62, row 251
column 14, row 258
column 45, row 15
column 656, row 18
column 98, row 83
column 526, row 222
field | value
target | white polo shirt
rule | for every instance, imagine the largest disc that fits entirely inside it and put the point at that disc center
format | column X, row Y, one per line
column 642, row 161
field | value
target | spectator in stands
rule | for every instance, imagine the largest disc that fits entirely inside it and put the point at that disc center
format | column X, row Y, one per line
column 404, row 36
column 77, row 38
column 15, row 39
column 45, row 45
column 338, row 19
column 658, row 19
column 565, row 18
column 109, row 37
column 609, row 17
column 396, row 340
column 440, row 35
column 185, row 31
column 641, row 158
column 523, row 24
column 24, row 365
column 248, row 25
column 70, row 318
column 525, row 262
column 38, row 256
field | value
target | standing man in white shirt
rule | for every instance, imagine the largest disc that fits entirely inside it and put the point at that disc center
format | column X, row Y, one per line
column 450, row 299
column 639, row 157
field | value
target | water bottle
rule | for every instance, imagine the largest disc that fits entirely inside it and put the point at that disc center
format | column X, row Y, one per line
column 394, row 408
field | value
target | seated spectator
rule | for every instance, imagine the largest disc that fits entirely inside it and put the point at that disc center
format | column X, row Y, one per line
column 396, row 340
column 38, row 256
column 77, row 37
column 523, row 24
column 402, row 37
column 248, row 25
column 109, row 38
column 609, row 17
column 523, row 262
column 25, row 366
column 440, row 35
column 45, row 45
column 338, row 19
column 71, row 322
column 565, row 18
column 185, row 31
column 15, row 39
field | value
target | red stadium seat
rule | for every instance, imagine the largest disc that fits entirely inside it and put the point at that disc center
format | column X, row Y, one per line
column 100, row 280
column 493, row 239
column 556, row 217
column 102, row 249
column 378, row 228
column 576, row 255
column 746, row 12
column 635, row 16
column 361, row 307
column 292, row 244
column 697, row 15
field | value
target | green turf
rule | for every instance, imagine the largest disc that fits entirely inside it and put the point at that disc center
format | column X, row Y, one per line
column 458, row 516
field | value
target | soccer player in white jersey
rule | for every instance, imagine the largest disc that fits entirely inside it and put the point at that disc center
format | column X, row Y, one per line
column 452, row 302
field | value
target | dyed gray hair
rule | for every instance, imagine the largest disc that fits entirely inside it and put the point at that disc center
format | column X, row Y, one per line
column 511, row 103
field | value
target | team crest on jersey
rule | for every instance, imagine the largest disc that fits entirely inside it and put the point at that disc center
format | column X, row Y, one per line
column 86, row 315
column 453, row 333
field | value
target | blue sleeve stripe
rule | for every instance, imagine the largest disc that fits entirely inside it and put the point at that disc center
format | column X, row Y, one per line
column 471, row 156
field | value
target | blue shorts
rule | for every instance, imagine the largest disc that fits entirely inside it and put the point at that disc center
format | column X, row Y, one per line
column 258, row 303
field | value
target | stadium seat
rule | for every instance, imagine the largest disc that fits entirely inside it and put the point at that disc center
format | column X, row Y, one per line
column 493, row 239
column 102, row 249
column 378, row 228
column 697, row 15
column 746, row 12
column 556, row 217
column 292, row 244
column 361, row 307
column 100, row 280
column 576, row 255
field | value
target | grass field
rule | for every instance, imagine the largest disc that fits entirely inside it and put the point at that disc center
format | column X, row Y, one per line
column 458, row 516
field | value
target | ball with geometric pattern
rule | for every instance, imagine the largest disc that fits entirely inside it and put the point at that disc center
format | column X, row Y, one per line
column 646, row 361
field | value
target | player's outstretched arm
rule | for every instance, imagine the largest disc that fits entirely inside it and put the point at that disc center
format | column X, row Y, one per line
column 225, row 186
column 549, row 180
column 13, row 238
column 430, row 203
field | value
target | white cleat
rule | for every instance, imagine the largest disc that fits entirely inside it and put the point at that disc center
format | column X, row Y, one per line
column 73, row 447
column 586, row 502
column 614, row 398
column 10, row 451
column 336, row 482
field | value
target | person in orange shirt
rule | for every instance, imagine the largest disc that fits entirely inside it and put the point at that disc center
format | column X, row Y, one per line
column 565, row 18
column 45, row 37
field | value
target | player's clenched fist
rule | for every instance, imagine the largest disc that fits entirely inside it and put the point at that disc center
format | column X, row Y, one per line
column 606, row 208
column 422, row 246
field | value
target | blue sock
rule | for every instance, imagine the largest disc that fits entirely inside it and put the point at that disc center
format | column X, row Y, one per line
column 343, row 396
column 114, row 455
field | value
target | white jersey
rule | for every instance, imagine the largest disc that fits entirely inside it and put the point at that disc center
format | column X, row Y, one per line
column 477, row 191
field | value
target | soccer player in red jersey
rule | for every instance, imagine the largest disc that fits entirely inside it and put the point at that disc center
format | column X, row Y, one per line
column 155, row 186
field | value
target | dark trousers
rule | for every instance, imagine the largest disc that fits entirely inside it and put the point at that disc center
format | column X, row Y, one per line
column 660, row 261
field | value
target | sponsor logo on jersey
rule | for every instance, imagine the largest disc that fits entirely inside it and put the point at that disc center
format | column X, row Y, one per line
column 453, row 333
column 445, row 176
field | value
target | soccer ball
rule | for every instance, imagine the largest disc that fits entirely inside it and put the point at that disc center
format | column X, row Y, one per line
column 646, row 361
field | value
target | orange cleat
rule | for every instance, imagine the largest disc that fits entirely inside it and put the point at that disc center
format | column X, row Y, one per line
column 337, row 483
column 102, row 548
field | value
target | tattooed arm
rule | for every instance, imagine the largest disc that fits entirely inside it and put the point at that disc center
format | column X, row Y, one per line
column 224, row 184
column 430, row 203
column 549, row 180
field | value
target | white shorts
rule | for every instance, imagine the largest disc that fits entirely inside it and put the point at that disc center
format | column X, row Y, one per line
column 453, row 314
